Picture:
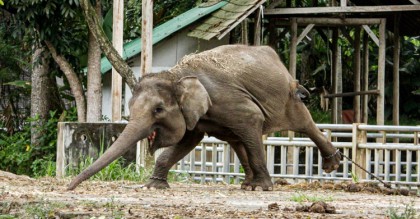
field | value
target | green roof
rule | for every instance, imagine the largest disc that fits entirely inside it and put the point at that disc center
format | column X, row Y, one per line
column 160, row 32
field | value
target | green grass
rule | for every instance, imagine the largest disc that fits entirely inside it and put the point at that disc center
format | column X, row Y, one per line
column 300, row 197
column 409, row 212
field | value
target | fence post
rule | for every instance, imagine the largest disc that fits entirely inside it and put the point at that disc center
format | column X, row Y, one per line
column 358, row 155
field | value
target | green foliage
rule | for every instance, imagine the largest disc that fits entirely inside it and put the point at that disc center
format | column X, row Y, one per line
column 409, row 212
column 42, row 209
column 300, row 197
column 17, row 155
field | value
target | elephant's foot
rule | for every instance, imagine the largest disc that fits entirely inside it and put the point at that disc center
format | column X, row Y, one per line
column 246, row 184
column 331, row 162
column 260, row 184
column 157, row 183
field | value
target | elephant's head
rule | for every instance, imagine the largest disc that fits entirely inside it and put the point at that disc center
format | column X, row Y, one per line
column 161, row 109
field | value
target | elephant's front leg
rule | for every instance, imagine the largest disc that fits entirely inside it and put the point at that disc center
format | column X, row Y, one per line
column 170, row 156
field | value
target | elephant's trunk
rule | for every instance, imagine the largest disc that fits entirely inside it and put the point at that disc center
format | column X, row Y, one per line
column 130, row 135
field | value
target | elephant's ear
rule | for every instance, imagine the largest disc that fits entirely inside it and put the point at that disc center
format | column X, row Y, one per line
column 193, row 100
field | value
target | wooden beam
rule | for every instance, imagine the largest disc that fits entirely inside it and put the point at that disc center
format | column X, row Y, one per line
column 352, row 94
column 356, row 72
column 293, row 45
column 380, row 108
column 304, row 33
column 326, row 21
column 117, row 42
column 244, row 32
column 371, row 34
column 343, row 3
column 348, row 9
column 416, row 2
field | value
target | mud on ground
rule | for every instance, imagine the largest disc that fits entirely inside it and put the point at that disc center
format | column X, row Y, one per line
column 24, row 197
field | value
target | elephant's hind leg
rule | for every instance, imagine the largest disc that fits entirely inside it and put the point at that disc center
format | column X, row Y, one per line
column 240, row 151
column 170, row 156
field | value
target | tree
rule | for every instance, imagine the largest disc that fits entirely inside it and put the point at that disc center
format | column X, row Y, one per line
column 94, row 85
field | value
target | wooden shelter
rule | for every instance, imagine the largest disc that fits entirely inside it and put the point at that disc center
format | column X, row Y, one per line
column 399, row 17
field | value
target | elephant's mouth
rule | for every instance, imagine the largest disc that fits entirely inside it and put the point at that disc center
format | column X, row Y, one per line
column 151, row 139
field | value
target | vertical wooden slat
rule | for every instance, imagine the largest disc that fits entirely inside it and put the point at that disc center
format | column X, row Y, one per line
column 214, row 160
column 409, row 165
column 308, row 164
column 270, row 159
column 387, row 164
column 117, row 42
column 376, row 164
column 295, row 161
column 368, row 162
column 203, row 163
column 226, row 161
column 236, row 168
column 346, row 163
column 398, row 165
column 244, row 32
column 283, row 160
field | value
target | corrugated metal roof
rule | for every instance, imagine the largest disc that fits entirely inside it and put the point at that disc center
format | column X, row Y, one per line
column 162, row 31
column 224, row 20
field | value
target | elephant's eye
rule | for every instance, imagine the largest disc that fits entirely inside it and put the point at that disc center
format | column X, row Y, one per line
column 158, row 110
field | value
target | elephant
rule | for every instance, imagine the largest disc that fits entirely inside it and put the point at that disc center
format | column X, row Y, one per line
column 235, row 93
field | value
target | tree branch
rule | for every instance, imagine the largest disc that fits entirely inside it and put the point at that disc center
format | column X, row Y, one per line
column 75, row 84
column 106, row 46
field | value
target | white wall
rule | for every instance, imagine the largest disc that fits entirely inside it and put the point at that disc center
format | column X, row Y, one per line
column 165, row 55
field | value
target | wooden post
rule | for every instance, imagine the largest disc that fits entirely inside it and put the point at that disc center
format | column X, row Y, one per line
column 293, row 45
column 244, row 33
column 365, row 76
column 380, row 111
column 146, row 37
column 356, row 67
column 358, row 155
column 146, row 64
column 117, row 42
column 396, row 72
column 257, row 28
column 337, row 79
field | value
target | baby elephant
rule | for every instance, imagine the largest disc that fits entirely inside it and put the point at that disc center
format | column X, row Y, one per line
column 236, row 93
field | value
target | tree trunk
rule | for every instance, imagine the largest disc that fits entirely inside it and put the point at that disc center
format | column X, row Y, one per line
column 75, row 84
column 43, row 90
column 94, row 85
column 106, row 46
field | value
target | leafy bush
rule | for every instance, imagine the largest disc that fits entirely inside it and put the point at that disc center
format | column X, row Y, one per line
column 17, row 155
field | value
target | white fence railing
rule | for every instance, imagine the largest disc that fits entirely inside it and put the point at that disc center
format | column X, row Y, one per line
column 376, row 148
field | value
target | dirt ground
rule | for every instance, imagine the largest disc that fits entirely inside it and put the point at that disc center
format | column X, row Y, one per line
column 23, row 197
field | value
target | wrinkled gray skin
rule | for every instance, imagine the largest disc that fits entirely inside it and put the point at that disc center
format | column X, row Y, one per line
column 235, row 93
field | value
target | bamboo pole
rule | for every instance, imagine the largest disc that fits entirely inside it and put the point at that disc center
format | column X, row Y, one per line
column 365, row 76
column 257, row 28
column 356, row 66
column 380, row 108
column 117, row 42
column 396, row 75
column 293, row 45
